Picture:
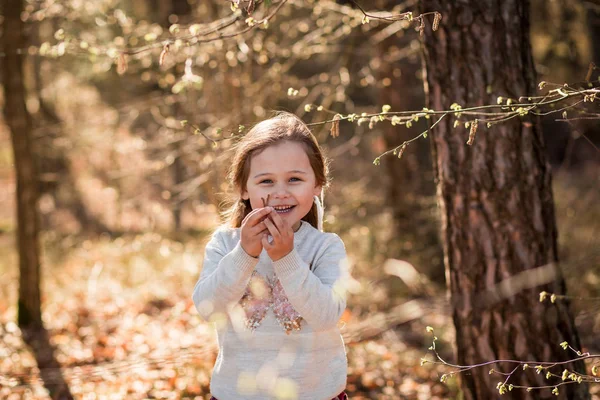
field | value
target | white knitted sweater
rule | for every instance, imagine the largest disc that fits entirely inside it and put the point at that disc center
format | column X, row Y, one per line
column 257, row 358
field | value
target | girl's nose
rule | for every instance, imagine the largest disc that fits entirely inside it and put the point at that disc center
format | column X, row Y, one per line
column 280, row 193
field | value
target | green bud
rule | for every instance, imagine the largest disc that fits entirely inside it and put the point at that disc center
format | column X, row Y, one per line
column 564, row 345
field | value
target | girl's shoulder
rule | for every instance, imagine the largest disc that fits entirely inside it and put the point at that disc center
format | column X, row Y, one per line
column 323, row 241
column 226, row 229
column 324, row 237
column 331, row 239
column 225, row 233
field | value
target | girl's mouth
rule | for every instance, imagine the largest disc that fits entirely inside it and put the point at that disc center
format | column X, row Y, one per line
column 285, row 211
column 278, row 209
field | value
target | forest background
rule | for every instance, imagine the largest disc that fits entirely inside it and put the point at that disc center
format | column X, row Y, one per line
column 128, row 194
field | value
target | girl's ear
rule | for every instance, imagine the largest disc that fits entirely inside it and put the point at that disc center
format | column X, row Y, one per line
column 245, row 195
column 317, row 191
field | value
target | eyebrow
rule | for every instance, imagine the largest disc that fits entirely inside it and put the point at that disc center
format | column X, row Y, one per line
column 295, row 171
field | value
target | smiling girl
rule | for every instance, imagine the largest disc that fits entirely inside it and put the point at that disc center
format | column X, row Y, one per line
column 272, row 281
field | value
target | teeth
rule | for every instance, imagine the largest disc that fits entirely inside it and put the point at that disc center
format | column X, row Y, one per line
column 283, row 208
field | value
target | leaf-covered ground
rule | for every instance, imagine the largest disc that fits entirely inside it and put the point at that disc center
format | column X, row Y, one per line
column 161, row 349
column 122, row 324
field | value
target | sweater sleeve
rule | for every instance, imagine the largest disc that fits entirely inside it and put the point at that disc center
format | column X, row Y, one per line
column 223, row 278
column 319, row 295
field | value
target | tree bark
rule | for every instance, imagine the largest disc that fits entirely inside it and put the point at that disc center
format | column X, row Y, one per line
column 495, row 197
column 19, row 124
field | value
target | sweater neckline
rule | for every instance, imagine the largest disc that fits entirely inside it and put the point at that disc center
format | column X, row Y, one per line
column 303, row 228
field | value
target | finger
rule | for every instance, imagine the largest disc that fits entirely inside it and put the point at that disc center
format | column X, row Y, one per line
column 272, row 228
column 261, row 216
column 268, row 216
column 279, row 222
column 259, row 228
column 258, row 217
column 282, row 226
column 256, row 211
column 250, row 214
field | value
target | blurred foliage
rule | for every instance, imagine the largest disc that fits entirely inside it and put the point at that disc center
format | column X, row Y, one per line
column 215, row 86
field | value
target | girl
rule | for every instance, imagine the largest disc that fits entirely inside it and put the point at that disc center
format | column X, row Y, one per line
column 272, row 281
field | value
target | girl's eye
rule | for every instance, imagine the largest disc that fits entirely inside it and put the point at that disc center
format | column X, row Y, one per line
column 268, row 180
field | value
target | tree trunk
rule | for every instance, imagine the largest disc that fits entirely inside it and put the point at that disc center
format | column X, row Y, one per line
column 593, row 25
column 178, row 176
column 17, row 119
column 496, row 202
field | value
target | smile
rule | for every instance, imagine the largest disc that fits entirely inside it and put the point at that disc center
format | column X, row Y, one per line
column 284, row 210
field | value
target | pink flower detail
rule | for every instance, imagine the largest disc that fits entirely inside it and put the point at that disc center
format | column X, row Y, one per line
column 256, row 300
column 284, row 312
column 264, row 293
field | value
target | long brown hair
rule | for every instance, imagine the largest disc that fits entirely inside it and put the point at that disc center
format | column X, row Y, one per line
column 284, row 126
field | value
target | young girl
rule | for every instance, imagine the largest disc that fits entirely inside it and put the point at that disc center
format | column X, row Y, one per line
column 272, row 281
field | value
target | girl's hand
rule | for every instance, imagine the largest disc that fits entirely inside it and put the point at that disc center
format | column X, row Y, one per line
column 253, row 229
column 283, row 236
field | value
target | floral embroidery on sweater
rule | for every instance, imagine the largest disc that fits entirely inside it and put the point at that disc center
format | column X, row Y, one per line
column 263, row 294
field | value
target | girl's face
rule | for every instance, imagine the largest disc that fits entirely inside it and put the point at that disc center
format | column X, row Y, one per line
column 283, row 173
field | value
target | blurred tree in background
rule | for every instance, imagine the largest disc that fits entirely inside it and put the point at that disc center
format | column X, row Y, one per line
column 19, row 124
